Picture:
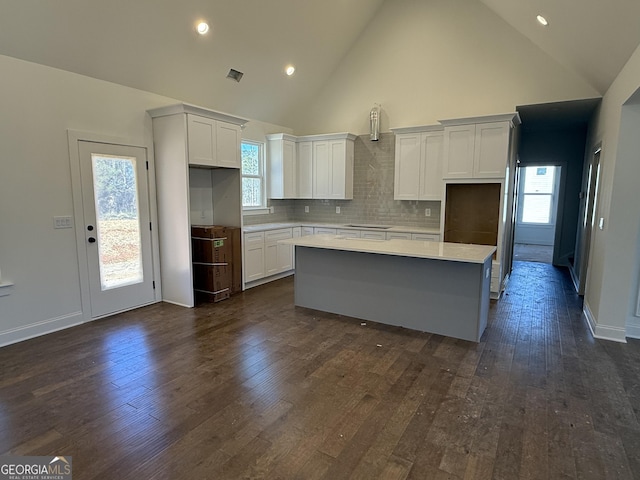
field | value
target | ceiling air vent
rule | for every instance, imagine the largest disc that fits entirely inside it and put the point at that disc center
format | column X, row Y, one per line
column 235, row 75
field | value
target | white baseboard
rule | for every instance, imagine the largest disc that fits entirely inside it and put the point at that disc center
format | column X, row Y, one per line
column 633, row 328
column 272, row 278
column 603, row 332
column 51, row 325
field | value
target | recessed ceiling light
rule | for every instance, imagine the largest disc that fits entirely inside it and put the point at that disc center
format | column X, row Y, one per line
column 542, row 20
column 202, row 28
column 290, row 70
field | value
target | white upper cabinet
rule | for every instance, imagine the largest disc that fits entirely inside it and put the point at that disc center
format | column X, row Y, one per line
column 418, row 163
column 283, row 178
column 213, row 143
column 213, row 138
column 228, row 138
column 313, row 166
column 477, row 147
column 333, row 168
column 305, row 169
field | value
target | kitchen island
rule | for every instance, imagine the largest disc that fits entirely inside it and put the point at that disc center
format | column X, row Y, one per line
column 433, row 287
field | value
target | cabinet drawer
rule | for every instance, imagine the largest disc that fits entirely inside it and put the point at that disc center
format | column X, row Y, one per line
column 325, row 231
column 398, row 235
column 373, row 235
column 275, row 235
column 349, row 233
column 307, row 231
column 427, row 237
column 253, row 237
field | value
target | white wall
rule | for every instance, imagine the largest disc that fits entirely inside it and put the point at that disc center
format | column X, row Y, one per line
column 614, row 263
column 39, row 104
column 438, row 59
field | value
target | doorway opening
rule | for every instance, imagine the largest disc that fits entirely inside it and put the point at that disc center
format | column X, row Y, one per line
column 536, row 213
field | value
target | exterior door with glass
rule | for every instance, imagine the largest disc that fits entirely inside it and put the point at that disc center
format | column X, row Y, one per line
column 117, row 226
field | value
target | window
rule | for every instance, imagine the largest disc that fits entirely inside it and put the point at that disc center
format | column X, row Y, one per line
column 537, row 194
column 253, row 189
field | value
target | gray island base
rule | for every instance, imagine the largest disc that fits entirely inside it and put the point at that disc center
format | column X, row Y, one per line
column 431, row 287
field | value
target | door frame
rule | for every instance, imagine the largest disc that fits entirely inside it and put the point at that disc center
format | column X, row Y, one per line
column 73, row 138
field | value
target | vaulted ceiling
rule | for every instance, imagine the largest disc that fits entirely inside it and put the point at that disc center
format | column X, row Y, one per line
column 152, row 44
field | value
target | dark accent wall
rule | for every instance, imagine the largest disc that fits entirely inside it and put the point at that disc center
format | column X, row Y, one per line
column 566, row 148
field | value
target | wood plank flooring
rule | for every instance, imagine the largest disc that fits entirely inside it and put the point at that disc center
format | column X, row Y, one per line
column 254, row 387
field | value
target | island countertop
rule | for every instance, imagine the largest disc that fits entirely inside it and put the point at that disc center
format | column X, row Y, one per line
column 455, row 252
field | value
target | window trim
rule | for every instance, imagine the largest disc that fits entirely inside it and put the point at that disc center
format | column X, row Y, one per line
column 553, row 196
column 262, row 208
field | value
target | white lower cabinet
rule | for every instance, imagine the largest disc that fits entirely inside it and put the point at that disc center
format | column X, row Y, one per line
column 278, row 258
column 253, row 256
column 264, row 256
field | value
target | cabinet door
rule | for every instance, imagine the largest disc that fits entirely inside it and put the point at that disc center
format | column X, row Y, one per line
column 271, row 259
column 253, row 256
column 290, row 181
column 305, row 170
column 201, row 139
column 459, row 151
column 406, row 182
column 321, row 170
column 338, row 169
column 491, row 150
column 228, row 145
column 431, row 166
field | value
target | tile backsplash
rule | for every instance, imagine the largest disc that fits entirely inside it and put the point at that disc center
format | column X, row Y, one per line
column 372, row 202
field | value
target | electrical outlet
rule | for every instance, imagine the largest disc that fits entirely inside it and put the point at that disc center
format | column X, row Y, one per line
column 427, row 212
column 337, row 209
column 306, row 209
column 271, row 209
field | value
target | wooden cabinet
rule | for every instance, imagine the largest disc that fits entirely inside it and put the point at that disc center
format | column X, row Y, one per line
column 418, row 163
column 188, row 142
column 478, row 148
column 324, row 231
column 213, row 143
column 313, row 166
column 306, row 231
column 282, row 161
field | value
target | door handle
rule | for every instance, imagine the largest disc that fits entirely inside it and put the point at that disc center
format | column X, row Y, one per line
column 91, row 240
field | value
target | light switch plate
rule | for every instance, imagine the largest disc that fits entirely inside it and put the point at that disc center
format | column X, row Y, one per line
column 62, row 222
column 337, row 209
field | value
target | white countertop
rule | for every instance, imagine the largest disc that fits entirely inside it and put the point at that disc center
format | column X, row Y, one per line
column 262, row 227
column 454, row 252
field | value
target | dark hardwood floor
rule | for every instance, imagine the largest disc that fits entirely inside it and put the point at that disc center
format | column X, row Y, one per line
column 254, row 387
